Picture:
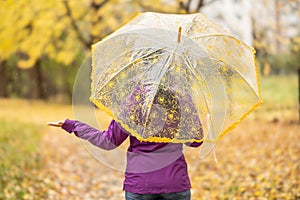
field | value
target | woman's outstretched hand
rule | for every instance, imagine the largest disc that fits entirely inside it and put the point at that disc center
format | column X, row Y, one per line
column 56, row 124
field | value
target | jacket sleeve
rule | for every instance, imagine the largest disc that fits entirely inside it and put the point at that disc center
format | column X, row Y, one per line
column 193, row 144
column 107, row 140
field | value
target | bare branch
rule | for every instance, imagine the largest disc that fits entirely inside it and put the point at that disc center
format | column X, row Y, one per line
column 203, row 3
column 97, row 6
column 200, row 4
column 185, row 6
column 188, row 6
column 85, row 42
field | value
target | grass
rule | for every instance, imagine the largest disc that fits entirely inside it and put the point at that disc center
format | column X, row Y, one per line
column 18, row 159
column 22, row 124
column 279, row 91
column 280, row 96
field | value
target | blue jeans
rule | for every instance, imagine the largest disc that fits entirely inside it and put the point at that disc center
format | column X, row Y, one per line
column 185, row 195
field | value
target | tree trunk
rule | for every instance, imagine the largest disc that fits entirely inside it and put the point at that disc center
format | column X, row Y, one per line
column 277, row 26
column 37, row 86
column 95, row 6
column 299, row 93
column 3, row 79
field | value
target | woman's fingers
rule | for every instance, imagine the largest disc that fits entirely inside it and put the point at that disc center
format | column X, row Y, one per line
column 55, row 124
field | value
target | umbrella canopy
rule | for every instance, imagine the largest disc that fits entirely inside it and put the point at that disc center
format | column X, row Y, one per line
column 174, row 78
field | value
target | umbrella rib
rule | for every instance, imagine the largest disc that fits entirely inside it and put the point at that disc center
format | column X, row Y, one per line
column 129, row 64
column 141, row 77
column 189, row 64
column 233, row 69
column 241, row 76
column 190, row 24
column 153, row 96
column 232, row 37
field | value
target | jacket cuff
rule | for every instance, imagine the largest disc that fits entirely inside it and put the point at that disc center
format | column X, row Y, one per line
column 68, row 125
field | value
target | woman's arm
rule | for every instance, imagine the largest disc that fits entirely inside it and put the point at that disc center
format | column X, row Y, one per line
column 108, row 140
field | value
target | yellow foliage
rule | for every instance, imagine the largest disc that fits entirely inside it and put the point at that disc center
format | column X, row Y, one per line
column 34, row 28
column 41, row 28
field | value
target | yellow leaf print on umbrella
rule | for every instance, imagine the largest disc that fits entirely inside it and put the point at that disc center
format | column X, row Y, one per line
column 174, row 78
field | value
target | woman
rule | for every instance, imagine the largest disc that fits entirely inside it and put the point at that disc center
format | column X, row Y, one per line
column 154, row 170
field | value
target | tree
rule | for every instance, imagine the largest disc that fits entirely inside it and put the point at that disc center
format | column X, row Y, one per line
column 275, row 25
column 35, row 32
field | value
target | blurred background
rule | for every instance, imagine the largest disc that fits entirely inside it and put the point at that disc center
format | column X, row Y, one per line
column 43, row 44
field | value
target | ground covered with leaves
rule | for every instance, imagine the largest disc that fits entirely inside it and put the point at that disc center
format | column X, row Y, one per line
column 260, row 159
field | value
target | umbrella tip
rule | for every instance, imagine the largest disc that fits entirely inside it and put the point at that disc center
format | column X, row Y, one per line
column 179, row 34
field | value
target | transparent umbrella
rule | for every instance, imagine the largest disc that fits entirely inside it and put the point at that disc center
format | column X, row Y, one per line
column 174, row 78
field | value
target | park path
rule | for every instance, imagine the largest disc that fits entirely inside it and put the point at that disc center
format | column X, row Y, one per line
column 72, row 173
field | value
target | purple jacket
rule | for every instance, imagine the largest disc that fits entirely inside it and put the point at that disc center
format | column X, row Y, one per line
column 152, row 168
